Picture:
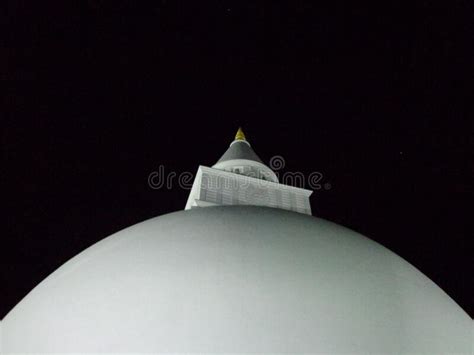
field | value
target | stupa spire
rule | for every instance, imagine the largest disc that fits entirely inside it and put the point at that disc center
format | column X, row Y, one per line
column 241, row 178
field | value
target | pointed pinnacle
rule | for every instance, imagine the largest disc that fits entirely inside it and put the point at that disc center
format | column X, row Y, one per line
column 240, row 135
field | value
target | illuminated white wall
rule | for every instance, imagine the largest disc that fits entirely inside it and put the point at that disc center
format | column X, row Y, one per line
column 238, row 279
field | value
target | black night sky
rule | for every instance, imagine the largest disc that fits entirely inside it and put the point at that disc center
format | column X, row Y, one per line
column 98, row 94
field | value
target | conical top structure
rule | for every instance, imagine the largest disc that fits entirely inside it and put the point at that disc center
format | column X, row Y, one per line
column 239, row 149
column 241, row 178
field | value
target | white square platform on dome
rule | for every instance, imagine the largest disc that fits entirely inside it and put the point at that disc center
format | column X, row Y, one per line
column 217, row 187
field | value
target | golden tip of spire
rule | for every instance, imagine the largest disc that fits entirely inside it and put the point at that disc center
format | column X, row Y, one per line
column 240, row 135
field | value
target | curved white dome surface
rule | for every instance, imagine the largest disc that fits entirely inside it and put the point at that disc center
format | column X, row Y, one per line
column 237, row 279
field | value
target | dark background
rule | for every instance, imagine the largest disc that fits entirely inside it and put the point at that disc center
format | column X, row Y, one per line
column 98, row 95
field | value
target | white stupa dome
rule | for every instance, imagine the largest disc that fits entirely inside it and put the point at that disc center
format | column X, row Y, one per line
column 244, row 269
column 237, row 279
